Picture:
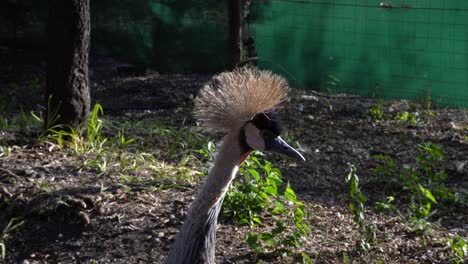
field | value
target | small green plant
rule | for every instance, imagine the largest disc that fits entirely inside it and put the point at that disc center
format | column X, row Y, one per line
column 123, row 142
column 94, row 125
column 47, row 123
column 5, row 151
column 208, row 151
column 457, row 251
column 386, row 206
column 4, row 123
column 332, row 84
column 13, row 225
column 366, row 230
column 23, row 120
column 377, row 111
column 252, row 197
column 422, row 181
column 407, row 117
column 43, row 186
column 426, row 100
column 306, row 259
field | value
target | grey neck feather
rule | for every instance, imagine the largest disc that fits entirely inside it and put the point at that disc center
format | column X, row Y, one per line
column 195, row 242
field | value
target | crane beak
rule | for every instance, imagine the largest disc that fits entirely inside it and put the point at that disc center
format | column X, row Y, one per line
column 280, row 146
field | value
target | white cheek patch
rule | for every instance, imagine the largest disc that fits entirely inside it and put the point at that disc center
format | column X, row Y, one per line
column 253, row 137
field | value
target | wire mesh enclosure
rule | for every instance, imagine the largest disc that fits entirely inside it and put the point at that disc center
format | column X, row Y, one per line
column 170, row 36
column 396, row 49
column 411, row 49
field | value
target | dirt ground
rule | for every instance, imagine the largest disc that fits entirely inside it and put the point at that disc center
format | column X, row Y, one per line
column 72, row 215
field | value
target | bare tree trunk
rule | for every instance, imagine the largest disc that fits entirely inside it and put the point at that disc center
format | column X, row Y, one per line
column 235, row 33
column 67, row 69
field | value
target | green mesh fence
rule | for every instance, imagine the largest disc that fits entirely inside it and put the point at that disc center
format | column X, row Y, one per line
column 414, row 50
column 167, row 35
column 170, row 36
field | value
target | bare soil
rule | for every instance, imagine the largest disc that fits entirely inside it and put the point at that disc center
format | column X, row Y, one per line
column 74, row 216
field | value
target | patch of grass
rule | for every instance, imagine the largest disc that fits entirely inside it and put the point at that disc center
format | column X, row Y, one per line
column 12, row 225
column 158, row 152
column 80, row 140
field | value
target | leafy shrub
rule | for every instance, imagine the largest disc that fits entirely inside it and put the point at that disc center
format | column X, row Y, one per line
column 253, row 196
column 424, row 181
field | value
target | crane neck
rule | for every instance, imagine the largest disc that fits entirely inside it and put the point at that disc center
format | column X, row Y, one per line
column 229, row 158
column 196, row 240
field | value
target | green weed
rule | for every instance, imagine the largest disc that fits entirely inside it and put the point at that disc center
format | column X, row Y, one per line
column 377, row 111
column 366, row 230
column 407, row 117
column 386, row 206
column 5, row 151
column 47, row 123
column 426, row 100
column 332, row 84
column 423, row 183
column 4, row 123
column 457, row 251
column 306, row 259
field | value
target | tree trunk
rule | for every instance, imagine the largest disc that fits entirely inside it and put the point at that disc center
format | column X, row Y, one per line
column 235, row 33
column 67, row 68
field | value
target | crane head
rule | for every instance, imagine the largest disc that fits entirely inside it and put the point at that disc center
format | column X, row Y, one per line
column 263, row 132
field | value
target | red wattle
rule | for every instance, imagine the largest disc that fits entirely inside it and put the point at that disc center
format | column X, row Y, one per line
column 243, row 157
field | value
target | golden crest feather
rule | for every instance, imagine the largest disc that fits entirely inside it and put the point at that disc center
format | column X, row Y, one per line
column 233, row 98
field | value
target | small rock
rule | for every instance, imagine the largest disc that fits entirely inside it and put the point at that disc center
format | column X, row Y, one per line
column 310, row 98
column 460, row 165
column 85, row 217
